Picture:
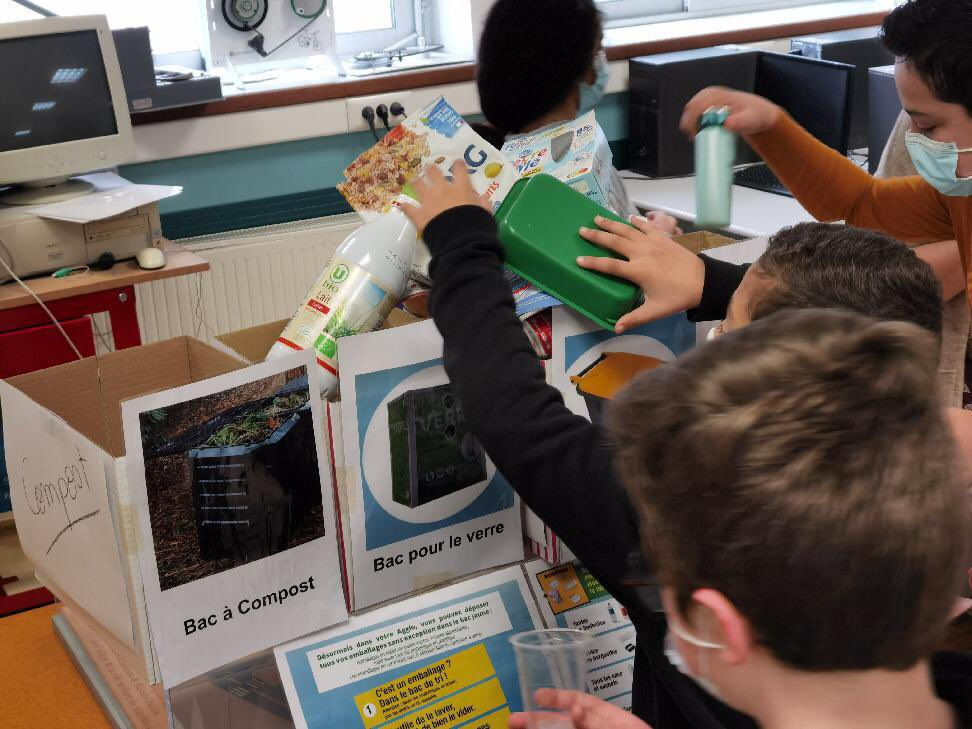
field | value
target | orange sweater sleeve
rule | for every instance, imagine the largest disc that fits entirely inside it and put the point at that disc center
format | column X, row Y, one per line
column 831, row 187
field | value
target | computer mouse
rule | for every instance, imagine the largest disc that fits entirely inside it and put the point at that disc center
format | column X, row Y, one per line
column 150, row 258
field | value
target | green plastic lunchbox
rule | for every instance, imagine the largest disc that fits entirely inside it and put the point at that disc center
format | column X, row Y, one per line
column 539, row 225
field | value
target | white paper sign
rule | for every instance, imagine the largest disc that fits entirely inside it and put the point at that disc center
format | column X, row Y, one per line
column 570, row 597
column 578, row 343
column 235, row 514
column 440, row 660
column 59, row 491
column 426, row 504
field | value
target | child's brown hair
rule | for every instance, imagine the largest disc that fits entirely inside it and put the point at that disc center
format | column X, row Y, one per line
column 802, row 467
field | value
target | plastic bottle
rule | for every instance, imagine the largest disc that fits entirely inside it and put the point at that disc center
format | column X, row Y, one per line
column 359, row 286
column 715, row 151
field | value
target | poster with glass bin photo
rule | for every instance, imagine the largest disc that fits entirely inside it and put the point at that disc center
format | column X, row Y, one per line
column 425, row 504
column 232, row 491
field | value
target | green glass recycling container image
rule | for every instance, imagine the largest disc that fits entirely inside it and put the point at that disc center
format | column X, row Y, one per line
column 433, row 454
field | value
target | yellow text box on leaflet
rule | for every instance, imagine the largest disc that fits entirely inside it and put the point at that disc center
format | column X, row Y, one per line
column 456, row 710
column 497, row 720
column 425, row 685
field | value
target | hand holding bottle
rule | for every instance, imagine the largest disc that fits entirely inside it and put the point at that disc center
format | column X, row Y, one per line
column 749, row 114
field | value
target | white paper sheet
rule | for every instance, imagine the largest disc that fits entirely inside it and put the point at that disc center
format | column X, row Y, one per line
column 415, row 663
column 570, row 597
column 113, row 195
column 247, row 596
column 414, row 524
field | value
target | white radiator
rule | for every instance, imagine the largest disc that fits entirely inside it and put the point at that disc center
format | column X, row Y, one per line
column 256, row 276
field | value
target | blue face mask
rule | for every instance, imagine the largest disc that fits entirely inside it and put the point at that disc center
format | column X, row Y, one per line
column 937, row 163
column 591, row 94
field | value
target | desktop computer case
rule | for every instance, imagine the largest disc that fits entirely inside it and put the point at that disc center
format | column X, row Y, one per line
column 32, row 245
column 660, row 86
column 884, row 109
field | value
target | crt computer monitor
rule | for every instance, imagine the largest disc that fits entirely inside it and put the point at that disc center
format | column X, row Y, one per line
column 63, row 110
column 817, row 94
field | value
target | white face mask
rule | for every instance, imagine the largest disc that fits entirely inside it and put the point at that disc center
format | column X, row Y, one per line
column 678, row 661
column 714, row 332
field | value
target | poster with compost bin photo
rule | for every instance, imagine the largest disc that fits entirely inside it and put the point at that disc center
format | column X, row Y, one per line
column 235, row 507
column 425, row 503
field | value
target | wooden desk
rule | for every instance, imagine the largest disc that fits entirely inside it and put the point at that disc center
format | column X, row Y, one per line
column 41, row 686
column 71, row 298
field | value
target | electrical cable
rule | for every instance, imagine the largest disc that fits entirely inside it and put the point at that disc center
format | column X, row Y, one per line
column 382, row 111
column 256, row 42
column 368, row 114
column 43, row 306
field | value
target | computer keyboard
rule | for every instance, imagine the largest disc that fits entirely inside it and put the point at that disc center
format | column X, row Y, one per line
column 761, row 177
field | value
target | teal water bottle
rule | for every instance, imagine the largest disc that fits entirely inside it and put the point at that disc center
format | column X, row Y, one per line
column 715, row 152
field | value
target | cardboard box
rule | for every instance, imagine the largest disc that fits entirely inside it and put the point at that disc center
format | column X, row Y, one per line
column 253, row 343
column 702, row 240
column 76, row 407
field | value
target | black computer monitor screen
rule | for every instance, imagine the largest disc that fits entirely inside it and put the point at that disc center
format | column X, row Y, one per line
column 817, row 94
column 54, row 89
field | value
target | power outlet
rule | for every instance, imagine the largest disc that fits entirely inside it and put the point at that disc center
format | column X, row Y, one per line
column 356, row 122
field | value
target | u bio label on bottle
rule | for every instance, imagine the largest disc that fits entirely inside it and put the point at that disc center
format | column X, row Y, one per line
column 346, row 300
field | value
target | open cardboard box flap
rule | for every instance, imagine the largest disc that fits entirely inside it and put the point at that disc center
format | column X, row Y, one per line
column 87, row 394
column 253, row 343
column 702, row 240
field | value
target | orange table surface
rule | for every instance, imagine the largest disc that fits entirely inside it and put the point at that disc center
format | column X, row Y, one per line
column 39, row 686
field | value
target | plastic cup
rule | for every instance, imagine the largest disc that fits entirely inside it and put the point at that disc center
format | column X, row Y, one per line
column 555, row 659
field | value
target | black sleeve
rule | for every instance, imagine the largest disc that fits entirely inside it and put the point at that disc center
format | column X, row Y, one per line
column 559, row 463
column 721, row 281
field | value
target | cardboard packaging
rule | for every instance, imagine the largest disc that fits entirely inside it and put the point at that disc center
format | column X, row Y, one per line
column 253, row 343
column 576, row 152
column 64, row 442
column 702, row 240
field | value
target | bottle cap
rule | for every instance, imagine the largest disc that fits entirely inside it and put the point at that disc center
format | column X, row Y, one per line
column 714, row 116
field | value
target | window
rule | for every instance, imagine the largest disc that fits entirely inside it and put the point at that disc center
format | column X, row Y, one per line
column 373, row 25
column 630, row 12
column 174, row 24
column 635, row 9
column 362, row 15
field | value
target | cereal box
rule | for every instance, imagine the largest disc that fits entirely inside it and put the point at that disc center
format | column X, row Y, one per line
column 439, row 136
column 576, row 152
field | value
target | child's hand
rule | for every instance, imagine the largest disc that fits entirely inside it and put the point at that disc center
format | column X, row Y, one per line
column 586, row 712
column 436, row 195
column 664, row 223
column 671, row 276
column 749, row 114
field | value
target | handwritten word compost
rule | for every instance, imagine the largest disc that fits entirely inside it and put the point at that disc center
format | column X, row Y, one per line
column 46, row 497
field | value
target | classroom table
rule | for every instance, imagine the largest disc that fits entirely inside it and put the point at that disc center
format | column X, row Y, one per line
column 754, row 213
